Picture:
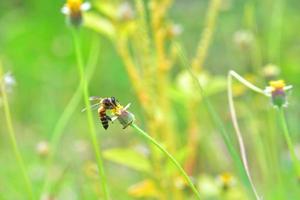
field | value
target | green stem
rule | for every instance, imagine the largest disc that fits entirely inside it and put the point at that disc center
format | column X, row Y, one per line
column 92, row 130
column 216, row 119
column 13, row 140
column 289, row 141
column 172, row 159
column 66, row 115
column 238, row 131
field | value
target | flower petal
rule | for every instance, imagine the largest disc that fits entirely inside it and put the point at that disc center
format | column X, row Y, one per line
column 127, row 106
column 65, row 10
column 85, row 6
column 268, row 91
column 288, row 87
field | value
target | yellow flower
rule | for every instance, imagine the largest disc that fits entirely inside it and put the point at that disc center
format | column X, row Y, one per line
column 275, row 85
column 73, row 10
column 144, row 189
column 226, row 180
column 277, row 91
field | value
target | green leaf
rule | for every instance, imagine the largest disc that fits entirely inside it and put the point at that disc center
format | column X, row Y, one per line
column 107, row 8
column 100, row 25
column 129, row 158
column 186, row 88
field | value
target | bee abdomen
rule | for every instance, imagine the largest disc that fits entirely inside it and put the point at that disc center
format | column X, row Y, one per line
column 104, row 121
column 105, row 124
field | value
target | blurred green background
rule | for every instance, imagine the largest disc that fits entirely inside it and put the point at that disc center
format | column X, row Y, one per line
column 36, row 46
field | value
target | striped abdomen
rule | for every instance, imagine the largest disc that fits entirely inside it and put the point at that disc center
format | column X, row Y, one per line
column 103, row 117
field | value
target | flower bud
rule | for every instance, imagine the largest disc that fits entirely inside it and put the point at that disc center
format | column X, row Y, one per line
column 125, row 118
column 271, row 72
column 125, row 12
column 243, row 39
column 174, row 30
column 42, row 149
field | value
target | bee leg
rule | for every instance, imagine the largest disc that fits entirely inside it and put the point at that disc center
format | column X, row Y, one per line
column 108, row 117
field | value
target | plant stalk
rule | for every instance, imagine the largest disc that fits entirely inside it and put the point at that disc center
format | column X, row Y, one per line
column 289, row 142
column 92, row 130
column 172, row 159
column 67, row 114
column 216, row 119
column 12, row 137
column 238, row 134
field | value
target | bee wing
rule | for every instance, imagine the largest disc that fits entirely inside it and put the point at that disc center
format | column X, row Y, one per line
column 114, row 118
column 94, row 106
column 127, row 106
column 95, row 98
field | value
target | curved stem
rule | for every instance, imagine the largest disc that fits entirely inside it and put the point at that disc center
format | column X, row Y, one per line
column 245, row 82
column 13, row 140
column 238, row 132
column 289, row 141
column 215, row 117
column 172, row 159
column 92, row 131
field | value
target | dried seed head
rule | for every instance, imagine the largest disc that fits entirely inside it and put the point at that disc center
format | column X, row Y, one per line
column 174, row 30
column 125, row 12
column 243, row 39
column 271, row 72
column 42, row 149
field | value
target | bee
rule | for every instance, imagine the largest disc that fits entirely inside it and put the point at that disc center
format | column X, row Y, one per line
column 104, row 104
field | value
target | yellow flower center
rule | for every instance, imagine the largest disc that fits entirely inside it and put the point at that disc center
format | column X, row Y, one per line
column 277, row 85
column 117, row 110
column 74, row 5
column 226, row 178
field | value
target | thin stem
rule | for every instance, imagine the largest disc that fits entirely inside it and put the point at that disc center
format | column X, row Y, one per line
column 13, row 140
column 216, row 119
column 245, row 82
column 92, row 131
column 172, row 159
column 67, row 114
column 238, row 133
column 289, row 141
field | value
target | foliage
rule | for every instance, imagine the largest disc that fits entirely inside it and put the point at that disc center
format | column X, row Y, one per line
column 170, row 60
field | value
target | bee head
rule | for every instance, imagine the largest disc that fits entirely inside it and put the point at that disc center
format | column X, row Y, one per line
column 114, row 101
column 109, row 103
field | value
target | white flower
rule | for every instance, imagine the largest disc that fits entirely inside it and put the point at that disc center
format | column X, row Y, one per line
column 9, row 81
column 125, row 12
column 73, row 10
column 277, row 91
column 243, row 39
